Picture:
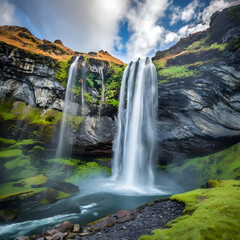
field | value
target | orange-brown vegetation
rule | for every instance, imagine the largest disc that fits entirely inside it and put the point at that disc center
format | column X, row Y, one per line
column 22, row 38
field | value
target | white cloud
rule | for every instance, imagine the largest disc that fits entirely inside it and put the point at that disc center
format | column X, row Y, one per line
column 186, row 14
column 83, row 25
column 7, row 13
column 203, row 19
column 142, row 22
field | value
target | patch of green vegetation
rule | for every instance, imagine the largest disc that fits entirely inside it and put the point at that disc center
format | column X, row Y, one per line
column 159, row 64
column 18, row 110
column 235, row 12
column 234, row 44
column 7, row 141
column 222, row 165
column 90, row 79
column 177, row 72
column 87, row 170
column 86, row 59
column 77, row 90
column 10, row 153
column 18, row 162
column 209, row 214
column 163, row 81
column 88, row 98
column 9, row 190
column 74, row 121
column 113, row 85
column 25, row 142
column 68, row 162
column 61, row 71
column 220, row 47
column 202, row 46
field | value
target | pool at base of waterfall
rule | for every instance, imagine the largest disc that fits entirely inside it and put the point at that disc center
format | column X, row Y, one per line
column 96, row 199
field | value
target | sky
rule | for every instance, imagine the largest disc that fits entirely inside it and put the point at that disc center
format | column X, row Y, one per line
column 127, row 29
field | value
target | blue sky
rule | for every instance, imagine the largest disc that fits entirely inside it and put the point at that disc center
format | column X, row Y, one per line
column 127, row 29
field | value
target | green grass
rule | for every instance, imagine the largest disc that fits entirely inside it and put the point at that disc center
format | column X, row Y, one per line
column 209, row 214
column 176, row 72
column 222, row 165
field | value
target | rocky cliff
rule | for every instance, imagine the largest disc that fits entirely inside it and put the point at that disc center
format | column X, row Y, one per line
column 199, row 90
column 35, row 72
column 198, row 80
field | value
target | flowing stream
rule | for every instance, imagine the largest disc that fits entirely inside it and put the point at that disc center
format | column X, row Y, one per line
column 70, row 108
column 134, row 146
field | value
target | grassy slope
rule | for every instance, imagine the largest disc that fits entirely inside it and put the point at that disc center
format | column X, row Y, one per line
column 222, row 165
column 212, row 214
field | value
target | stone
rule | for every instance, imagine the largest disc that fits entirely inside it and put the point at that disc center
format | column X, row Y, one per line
column 65, row 227
column 58, row 41
column 21, row 238
column 71, row 235
column 76, row 228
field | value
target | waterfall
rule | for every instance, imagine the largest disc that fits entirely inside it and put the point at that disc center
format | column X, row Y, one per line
column 83, row 86
column 70, row 108
column 134, row 145
column 100, row 71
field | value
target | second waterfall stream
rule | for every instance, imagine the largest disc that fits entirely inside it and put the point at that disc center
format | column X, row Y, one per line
column 134, row 148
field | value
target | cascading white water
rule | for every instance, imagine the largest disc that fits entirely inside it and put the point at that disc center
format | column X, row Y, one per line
column 83, row 86
column 100, row 71
column 134, row 145
column 70, row 108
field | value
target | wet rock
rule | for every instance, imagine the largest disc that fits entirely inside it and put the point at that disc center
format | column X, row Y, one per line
column 71, row 235
column 21, row 238
column 76, row 228
column 22, row 184
column 62, row 186
column 50, row 195
column 65, row 227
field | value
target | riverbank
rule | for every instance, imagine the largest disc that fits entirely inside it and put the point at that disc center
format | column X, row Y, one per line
column 124, row 224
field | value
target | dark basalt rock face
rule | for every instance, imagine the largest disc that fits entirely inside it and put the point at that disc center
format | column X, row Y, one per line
column 200, row 114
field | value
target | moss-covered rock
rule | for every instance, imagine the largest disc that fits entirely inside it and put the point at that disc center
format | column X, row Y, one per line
column 209, row 214
column 197, row 171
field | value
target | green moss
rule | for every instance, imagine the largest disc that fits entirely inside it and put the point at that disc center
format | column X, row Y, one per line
column 10, row 153
column 177, row 72
column 222, row 165
column 159, row 64
column 7, row 141
column 25, row 142
column 88, row 98
column 113, row 85
column 202, row 46
column 77, row 90
column 22, row 161
column 61, row 71
column 163, row 81
column 10, row 191
column 209, row 214
column 17, row 110
column 68, row 162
